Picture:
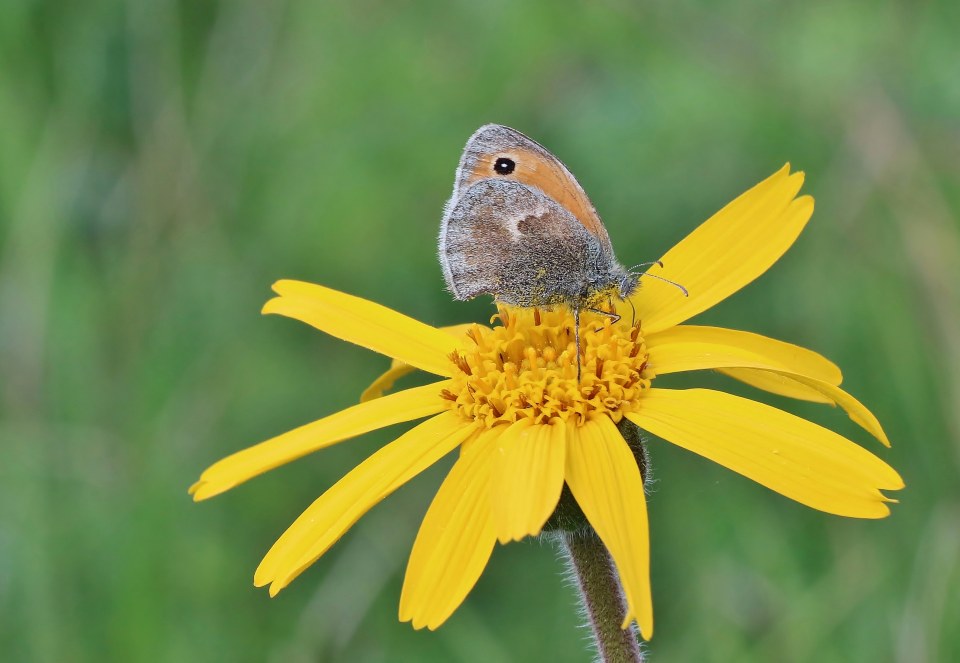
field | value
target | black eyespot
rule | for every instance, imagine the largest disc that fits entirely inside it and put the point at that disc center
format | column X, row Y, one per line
column 504, row 166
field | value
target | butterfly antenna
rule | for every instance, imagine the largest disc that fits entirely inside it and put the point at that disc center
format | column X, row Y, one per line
column 673, row 283
column 659, row 263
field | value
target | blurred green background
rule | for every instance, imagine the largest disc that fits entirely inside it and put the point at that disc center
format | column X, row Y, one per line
column 162, row 162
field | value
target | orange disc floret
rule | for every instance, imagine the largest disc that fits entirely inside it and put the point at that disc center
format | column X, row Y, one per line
column 526, row 368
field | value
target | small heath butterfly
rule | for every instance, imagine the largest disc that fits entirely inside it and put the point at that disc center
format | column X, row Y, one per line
column 520, row 227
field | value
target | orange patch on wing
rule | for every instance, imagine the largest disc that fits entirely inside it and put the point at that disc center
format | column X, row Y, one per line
column 551, row 177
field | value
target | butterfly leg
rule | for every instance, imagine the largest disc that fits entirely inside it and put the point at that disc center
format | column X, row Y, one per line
column 576, row 336
column 615, row 317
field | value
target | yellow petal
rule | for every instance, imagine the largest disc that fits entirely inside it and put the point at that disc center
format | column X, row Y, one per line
column 455, row 539
column 527, row 478
column 385, row 382
column 728, row 251
column 326, row 520
column 691, row 348
column 856, row 410
column 243, row 465
column 790, row 455
column 605, row 480
column 459, row 331
column 365, row 323
column 795, row 386
column 776, row 383
column 398, row 369
column 790, row 369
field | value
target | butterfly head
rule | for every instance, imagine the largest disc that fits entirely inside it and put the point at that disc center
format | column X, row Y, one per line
column 629, row 282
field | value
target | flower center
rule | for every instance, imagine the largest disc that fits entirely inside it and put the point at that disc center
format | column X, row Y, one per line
column 526, row 367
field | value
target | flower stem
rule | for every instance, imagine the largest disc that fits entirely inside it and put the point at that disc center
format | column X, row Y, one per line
column 590, row 564
column 603, row 601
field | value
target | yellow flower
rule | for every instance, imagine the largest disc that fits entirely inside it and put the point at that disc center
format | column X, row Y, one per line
column 510, row 400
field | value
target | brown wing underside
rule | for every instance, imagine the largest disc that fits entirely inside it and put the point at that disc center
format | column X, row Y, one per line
column 535, row 166
column 506, row 239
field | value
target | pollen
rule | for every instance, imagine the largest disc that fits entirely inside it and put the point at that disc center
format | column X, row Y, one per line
column 525, row 367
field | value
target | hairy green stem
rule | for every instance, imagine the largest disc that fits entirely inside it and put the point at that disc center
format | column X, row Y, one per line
column 603, row 602
column 591, row 567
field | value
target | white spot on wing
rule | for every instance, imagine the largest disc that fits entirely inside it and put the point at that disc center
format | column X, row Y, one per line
column 512, row 224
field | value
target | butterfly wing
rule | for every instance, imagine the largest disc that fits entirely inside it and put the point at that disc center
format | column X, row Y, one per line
column 535, row 166
column 505, row 238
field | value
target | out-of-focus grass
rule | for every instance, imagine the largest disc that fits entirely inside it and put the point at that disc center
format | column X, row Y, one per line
column 161, row 163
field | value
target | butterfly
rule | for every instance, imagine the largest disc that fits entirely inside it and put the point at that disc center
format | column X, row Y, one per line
column 521, row 228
